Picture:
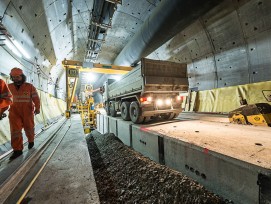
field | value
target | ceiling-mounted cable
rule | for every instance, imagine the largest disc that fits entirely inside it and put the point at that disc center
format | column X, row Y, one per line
column 100, row 22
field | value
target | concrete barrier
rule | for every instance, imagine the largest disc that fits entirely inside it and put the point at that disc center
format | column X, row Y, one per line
column 106, row 124
column 113, row 125
column 102, row 124
column 98, row 123
column 226, row 176
column 145, row 142
column 125, row 132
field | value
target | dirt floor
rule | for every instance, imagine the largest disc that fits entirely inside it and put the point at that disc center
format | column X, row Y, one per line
column 125, row 176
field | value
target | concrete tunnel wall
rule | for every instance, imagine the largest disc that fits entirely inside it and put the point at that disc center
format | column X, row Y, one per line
column 228, row 46
column 51, row 110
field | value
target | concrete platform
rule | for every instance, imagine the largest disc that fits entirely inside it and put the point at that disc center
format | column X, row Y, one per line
column 231, row 160
column 68, row 175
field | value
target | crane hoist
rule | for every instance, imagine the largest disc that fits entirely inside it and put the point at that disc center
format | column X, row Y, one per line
column 85, row 106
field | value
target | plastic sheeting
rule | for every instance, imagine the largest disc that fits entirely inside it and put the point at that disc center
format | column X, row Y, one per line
column 223, row 100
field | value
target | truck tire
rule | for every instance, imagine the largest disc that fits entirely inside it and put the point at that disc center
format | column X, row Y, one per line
column 169, row 116
column 113, row 111
column 172, row 116
column 125, row 111
column 135, row 113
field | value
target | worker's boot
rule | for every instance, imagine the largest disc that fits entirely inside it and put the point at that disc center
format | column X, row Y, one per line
column 16, row 153
column 30, row 145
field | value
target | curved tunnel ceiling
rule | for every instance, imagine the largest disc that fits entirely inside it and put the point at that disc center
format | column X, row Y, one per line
column 228, row 45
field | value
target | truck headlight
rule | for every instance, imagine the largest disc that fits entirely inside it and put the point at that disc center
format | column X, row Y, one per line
column 168, row 101
column 159, row 102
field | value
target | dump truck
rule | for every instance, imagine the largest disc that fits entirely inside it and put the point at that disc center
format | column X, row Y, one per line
column 152, row 89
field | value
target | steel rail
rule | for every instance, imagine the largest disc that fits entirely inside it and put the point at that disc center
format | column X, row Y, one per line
column 8, row 186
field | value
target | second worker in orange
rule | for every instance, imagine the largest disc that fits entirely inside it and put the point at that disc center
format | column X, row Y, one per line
column 26, row 103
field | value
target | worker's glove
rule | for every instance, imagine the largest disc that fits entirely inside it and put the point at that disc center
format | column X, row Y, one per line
column 2, row 116
column 37, row 112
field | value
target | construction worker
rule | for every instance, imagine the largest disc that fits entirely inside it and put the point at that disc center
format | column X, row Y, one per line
column 5, row 98
column 26, row 103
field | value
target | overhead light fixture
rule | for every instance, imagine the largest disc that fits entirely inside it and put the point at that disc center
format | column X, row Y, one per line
column 21, row 49
column 16, row 48
column 12, row 44
column 89, row 77
column 12, row 48
column 72, row 80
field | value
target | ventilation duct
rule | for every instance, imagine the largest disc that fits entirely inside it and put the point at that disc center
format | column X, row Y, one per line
column 168, row 19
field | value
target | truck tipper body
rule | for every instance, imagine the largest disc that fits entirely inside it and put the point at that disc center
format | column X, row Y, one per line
column 150, row 90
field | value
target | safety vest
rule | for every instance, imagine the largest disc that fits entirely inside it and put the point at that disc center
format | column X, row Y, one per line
column 26, row 94
column 5, row 95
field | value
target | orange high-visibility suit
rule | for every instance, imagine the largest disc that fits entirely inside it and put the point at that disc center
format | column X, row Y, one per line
column 5, row 97
column 21, row 113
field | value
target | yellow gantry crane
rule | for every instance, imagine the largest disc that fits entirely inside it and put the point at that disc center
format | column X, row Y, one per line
column 73, row 68
column 86, row 109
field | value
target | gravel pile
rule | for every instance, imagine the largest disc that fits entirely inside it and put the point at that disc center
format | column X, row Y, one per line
column 125, row 176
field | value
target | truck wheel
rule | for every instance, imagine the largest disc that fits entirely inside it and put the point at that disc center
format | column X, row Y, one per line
column 125, row 110
column 135, row 113
column 168, row 116
column 172, row 116
column 113, row 111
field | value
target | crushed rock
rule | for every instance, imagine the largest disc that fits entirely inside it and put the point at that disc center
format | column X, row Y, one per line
column 125, row 176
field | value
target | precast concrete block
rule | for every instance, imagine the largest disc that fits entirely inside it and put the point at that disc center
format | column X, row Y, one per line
column 101, row 124
column 231, row 178
column 106, row 122
column 98, row 123
column 125, row 131
column 113, row 126
column 145, row 142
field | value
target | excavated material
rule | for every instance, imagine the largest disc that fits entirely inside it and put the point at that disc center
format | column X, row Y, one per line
column 125, row 176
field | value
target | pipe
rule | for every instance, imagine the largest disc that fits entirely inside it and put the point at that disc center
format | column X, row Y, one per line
column 168, row 19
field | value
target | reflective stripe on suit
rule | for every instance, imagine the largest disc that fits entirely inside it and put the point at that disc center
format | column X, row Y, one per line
column 21, row 113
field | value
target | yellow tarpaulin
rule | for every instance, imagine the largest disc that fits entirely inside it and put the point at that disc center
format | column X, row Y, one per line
column 227, row 99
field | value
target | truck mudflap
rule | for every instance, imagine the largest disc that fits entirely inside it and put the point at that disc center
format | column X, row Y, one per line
column 156, row 112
